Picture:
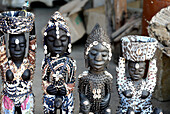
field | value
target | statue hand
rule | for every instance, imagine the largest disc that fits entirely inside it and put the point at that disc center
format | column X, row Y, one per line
column 9, row 75
column 130, row 111
column 62, row 91
column 145, row 94
column 26, row 75
column 157, row 111
column 105, row 102
column 51, row 90
column 127, row 93
column 84, row 104
column 58, row 102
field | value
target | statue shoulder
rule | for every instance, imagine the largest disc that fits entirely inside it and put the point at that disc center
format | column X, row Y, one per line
column 108, row 75
column 84, row 74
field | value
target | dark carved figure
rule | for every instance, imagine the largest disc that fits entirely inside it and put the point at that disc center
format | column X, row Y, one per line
column 136, row 90
column 58, row 68
column 17, row 70
column 95, row 85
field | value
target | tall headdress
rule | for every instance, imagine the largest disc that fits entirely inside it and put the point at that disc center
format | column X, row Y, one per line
column 138, row 48
column 97, row 35
column 56, row 22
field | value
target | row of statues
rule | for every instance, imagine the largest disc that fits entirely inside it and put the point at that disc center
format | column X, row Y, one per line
column 58, row 69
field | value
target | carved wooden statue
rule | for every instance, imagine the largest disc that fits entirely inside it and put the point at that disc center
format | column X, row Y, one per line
column 17, row 70
column 95, row 85
column 58, row 68
column 136, row 90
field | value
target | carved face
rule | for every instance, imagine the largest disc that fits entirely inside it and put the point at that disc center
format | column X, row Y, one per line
column 136, row 70
column 17, row 45
column 56, row 46
column 98, row 57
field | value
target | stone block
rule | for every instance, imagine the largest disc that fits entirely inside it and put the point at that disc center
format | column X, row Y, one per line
column 162, row 90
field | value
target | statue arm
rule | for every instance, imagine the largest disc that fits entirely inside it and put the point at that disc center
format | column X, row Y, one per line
column 32, row 48
column 105, row 101
column 84, row 104
column 71, row 82
column 121, row 78
column 45, row 77
column 151, row 76
column 84, row 101
column 3, row 56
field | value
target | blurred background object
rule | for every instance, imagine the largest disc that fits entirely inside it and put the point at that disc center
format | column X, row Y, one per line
column 19, row 3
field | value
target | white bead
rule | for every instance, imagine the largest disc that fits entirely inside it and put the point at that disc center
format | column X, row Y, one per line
column 45, row 33
column 58, row 36
column 95, row 42
column 56, row 24
column 137, row 65
column 16, row 41
column 108, row 110
column 68, row 34
column 45, row 47
column 57, row 32
column 69, row 45
column 85, row 102
column 104, row 43
column 57, row 28
column 91, row 45
column 45, row 51
column 69, row 50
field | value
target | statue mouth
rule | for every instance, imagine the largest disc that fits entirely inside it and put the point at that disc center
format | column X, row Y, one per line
column 136, row 76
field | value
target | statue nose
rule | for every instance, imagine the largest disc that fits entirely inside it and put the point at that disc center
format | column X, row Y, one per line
column 17, row 47
column 98, row 57
column 57, row 42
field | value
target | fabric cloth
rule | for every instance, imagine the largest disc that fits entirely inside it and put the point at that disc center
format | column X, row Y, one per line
column 66, row 79
column 8, row 106
column 66, row 108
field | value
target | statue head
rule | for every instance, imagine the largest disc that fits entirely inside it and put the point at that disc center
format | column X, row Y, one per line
column 57, row 41
column 97, row 50
column 138, row 50
column 136, row 70
column 17, row 45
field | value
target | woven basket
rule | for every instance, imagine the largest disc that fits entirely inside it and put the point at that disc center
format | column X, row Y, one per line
column 12, row 23
column 138, row 48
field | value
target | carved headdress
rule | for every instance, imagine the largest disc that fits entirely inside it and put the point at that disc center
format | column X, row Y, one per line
column 138, row 48
column 56, row 22
column 97, row 35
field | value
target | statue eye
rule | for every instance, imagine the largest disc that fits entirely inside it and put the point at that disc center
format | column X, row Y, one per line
column 132, row 69
column 93, row 53
column 141, row 70
column 51, row 38
column 63, row 38
column 104, row 54
column 12, row 45
column 22, row 45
